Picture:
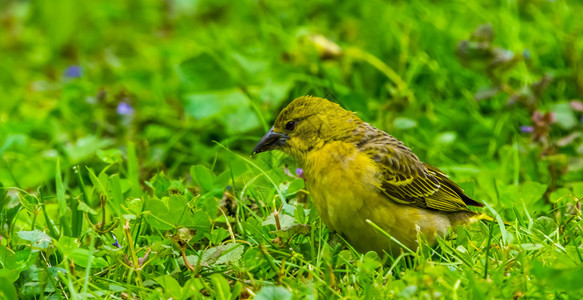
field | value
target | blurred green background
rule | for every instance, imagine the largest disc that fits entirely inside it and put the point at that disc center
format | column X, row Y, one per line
column 190, row 72
column 489, row 91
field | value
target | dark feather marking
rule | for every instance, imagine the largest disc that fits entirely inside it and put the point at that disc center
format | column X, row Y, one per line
column 425, row 187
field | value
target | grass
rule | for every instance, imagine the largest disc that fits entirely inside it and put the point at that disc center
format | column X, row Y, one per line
column 126, row 128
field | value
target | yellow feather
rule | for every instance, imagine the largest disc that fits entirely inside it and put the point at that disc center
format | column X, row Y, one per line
column 360, row 177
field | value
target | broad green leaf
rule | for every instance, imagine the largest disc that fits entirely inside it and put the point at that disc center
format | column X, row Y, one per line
column 85, row 208
column 204, row 177
column 232, row 253
column 7, row 289
column 199, row 220
column 285, row 221
column 274, row 92
column 192, row 287
column 562, row 194
column 253, row 65
column 568, row 279
column 223, row 179
column 7, row 257
column 85, row 147
column 221, row 288
column 253, row 258
column 209, row 204
column 10, row 274
column 217, row 235
column 231, row 107
column 203, row 72
column 545, row 225
column 531, row 246
column 289, row 231
column 371, row 261
column 173, row 211
column 446, row 138
column 403, row 123
column 532, row 191
column 408, row 292
column 81, row 257
column 67, row 244
column 160, row 184
column 38, row 238
column 109, row 156
column 564, row 115
column 116, row 288
column 171, row 287
column 29, row 202
column 293, row 187
column 273, row 293
column 13, row 263
column 159, row 214
column 222, row 254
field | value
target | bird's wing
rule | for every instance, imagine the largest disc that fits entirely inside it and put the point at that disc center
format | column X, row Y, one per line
column 407, row 180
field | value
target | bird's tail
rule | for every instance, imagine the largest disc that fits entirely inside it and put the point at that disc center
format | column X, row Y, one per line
column 485, row 217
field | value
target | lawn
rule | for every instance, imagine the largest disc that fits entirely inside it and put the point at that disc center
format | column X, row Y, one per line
column 126, row 129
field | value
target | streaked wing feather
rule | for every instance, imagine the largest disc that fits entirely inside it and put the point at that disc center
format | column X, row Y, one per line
column 407, row 180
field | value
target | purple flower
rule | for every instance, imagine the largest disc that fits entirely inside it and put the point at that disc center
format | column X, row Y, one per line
column 116, row 242
column 527, row 129
column 123, row 108
column 73, row 72
column 300, row 173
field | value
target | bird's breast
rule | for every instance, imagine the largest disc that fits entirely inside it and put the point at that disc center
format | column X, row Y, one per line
column 343, row 184
column 340, row 180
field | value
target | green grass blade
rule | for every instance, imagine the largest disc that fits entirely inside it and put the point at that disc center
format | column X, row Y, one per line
column 133, row 169
column 64, row 219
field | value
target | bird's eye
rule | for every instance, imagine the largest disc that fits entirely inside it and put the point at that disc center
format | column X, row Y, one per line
column 291, row 125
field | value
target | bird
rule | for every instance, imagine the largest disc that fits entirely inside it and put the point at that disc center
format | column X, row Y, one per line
column 365, row 184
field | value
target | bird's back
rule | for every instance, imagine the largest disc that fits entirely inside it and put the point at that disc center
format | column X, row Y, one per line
column 406, row 179
column 343, row 183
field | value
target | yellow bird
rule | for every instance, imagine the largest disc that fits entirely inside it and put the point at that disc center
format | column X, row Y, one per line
column 358, row 175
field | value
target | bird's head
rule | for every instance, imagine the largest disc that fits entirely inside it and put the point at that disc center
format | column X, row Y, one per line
column 306, row 124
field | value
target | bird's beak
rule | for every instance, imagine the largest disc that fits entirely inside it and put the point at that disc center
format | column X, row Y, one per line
column 271, row 140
